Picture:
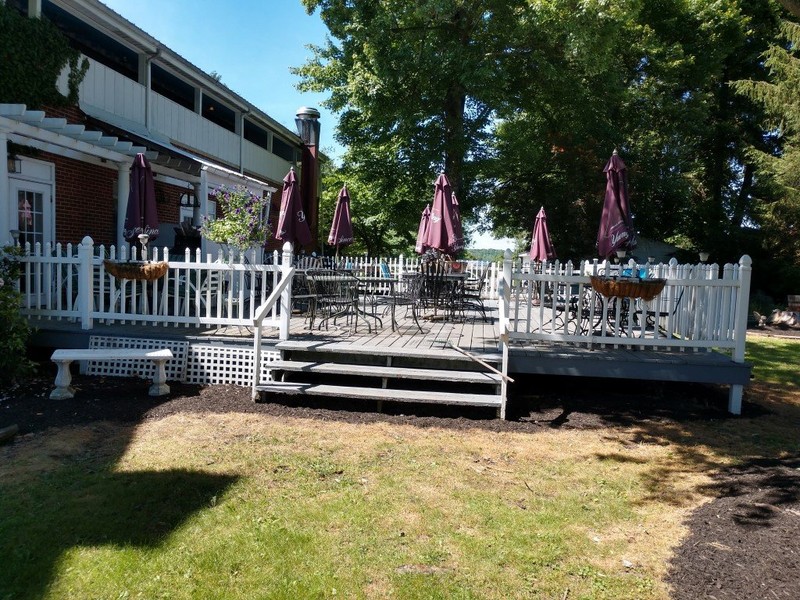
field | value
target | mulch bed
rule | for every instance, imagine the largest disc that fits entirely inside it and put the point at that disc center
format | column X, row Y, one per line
column 743, row 544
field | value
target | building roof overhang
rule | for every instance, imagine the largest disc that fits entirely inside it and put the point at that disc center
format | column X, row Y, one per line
column 110, row 142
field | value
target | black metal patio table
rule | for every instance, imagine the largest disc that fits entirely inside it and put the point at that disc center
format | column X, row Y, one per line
column 337, row 296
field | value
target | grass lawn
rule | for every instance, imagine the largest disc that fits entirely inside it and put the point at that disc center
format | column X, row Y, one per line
column 259, row 506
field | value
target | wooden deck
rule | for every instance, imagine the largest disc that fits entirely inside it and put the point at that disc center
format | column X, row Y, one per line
column 435, row 343
column 473, row 335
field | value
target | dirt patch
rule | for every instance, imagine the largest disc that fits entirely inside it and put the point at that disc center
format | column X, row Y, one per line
column 776, row 331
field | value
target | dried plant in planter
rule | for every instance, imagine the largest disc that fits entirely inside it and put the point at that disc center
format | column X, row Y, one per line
column 147, row 271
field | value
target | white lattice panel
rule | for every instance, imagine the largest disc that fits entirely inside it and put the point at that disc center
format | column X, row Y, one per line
column 175, row 368
column 226, row 364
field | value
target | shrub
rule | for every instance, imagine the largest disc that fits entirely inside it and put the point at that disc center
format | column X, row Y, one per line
column 14, row 330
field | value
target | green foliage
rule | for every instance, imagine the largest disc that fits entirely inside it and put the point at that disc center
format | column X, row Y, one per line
column 415, row 83
column 243, row 223
column 779, row 212
column 33, row 53
column 383, row 217
column 485, row 254
column 14, row 330
column 652, row 80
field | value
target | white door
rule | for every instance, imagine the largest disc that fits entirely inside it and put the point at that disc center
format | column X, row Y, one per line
column 32, row 216
column 33, row 213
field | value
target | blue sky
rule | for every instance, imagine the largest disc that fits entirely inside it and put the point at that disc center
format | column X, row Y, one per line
column 251, row 44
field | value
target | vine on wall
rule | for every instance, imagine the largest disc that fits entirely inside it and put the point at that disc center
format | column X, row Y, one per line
column 33, row 53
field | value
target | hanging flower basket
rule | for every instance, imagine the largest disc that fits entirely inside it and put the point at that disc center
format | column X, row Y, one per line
column 612, row 287
column 147, row 271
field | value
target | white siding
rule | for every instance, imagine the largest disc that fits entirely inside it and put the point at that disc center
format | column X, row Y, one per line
column 114, row 93
column 107, row 90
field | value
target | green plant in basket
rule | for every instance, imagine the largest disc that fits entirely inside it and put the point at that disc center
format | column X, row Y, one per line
column 243, row 223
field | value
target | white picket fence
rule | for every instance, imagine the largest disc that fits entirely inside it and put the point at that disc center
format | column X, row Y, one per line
column 71, row 282
column 699, row 308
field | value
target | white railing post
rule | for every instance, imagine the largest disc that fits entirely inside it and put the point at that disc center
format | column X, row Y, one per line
column 740, row 328
column 504, row 294
column 86, row 281
column 286, row 296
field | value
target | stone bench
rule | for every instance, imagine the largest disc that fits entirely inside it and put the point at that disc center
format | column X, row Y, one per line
column 63, row 358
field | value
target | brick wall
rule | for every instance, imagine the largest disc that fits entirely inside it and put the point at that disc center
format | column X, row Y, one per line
column 72, row 114
column 85, row 200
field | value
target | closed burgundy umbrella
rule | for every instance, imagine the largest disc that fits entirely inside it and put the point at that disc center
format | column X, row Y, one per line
column 141, row 215
column 292, row 224
column 422, row 232
column 616, row 226
column 445, row 232
column 342, row 228
column 541, row 247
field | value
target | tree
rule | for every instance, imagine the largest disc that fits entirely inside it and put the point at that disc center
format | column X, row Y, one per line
column 778, row 213
column 415, row 83
column 651, row 79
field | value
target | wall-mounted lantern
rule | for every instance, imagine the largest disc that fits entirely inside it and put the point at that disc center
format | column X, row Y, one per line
column 14, row 164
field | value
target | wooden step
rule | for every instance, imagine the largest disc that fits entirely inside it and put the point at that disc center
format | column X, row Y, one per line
column 341, row 391
column 444, row 353
column 388, row 372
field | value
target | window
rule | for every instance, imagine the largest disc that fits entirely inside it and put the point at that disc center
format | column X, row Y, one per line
column 254, row 133
column 216, row 112
column 282, row 149
column 171, row 86
column 34, row 214
column 93, row 43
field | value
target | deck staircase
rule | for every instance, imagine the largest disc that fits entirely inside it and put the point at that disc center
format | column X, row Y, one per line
column 344, row 370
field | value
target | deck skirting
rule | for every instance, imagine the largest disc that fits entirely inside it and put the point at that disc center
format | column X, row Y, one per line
column 623, row 363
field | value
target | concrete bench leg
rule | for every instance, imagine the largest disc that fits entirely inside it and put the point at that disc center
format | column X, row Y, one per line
column 735, row 399
column 63, row 389
column 160, row 387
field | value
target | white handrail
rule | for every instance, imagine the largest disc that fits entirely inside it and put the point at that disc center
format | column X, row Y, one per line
column 282, row 290
column 264, row 308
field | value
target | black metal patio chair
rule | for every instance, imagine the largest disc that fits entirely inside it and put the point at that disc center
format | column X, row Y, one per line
column 472, row 297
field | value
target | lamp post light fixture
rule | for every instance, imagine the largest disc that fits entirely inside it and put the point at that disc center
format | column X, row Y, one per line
column 704, row 257
column 143, row 239
column 621, row 255
column 189, row 200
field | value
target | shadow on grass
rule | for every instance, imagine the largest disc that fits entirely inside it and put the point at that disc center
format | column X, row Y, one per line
column 65, row 510
column 61, row 492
